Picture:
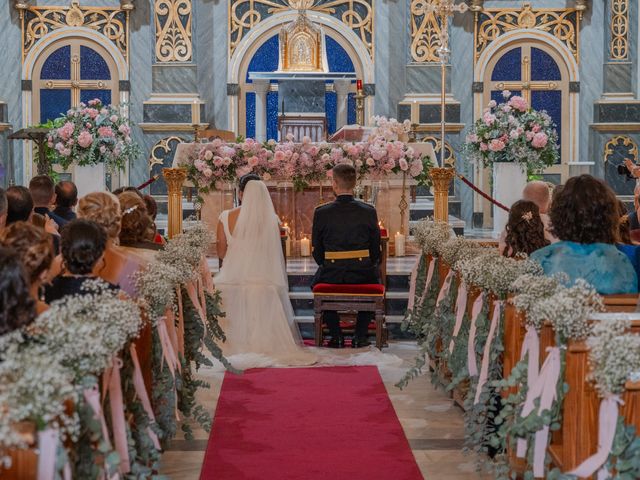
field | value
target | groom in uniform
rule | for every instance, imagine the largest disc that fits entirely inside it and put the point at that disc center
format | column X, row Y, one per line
column 346, row 246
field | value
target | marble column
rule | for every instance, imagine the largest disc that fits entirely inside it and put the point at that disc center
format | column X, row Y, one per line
column 261, row 87
column 342, row 88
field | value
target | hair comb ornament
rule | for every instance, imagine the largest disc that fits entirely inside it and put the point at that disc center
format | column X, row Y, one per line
column 527, row 216
column 130, row 210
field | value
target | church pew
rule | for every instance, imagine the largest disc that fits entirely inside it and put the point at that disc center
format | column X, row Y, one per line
column 621, row 303
column 24, row 463
column 513, row 338
column 577, row 438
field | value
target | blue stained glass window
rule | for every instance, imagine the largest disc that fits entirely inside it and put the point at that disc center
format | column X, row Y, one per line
column 509, row 67
column 54, row 103
column 543, row 66
column 58, row 65
column 92, row 65
column 351, row 109
column 551, row 102
column 331, row 111
column 266, row 57
column 272, row 115
column 337, row 57
column 499, row 98
column 251, row 115
column 103, row 95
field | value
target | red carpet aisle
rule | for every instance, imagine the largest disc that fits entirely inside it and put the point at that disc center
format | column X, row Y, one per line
column 307, row 423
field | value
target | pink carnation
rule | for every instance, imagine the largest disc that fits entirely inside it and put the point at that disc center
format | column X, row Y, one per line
column 489, row 118
column 540, row 140
column 536, row 128
column 416, row 168
column 404, row 166
column 484, row 147
column 518, row 103
column 95, row 101
column 496, row 145
column 85, row 139
column 208, row 155
column 66, row 131
column 253, row 161
column 279, row 156
column 207, row 172
column 218, row 161
column 124, row 129
column 371, row 162
column 113, row 118
column 472, row 138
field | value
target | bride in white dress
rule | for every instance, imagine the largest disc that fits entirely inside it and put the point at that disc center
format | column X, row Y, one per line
column 259, row 324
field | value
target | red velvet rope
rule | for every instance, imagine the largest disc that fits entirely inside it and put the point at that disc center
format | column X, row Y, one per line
column 148, row 182
column 482, row 194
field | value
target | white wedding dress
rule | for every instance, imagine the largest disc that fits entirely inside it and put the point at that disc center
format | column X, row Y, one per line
column 259, row 321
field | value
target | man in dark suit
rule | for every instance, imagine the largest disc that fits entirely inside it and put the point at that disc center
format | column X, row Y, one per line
column 43, row 193
column 66, row 200
column 346, row 246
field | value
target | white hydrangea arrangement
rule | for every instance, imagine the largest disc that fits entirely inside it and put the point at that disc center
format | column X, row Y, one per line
column 568, row 309
column 614, row 355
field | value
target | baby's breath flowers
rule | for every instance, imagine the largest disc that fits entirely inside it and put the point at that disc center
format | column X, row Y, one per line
column 432, row 236
column 529, row 290
column 614, row 355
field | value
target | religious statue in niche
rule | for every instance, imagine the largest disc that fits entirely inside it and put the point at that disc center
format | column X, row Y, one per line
column 301, row 46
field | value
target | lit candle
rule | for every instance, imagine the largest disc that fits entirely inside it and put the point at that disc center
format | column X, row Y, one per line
column 400, row 244
column 305, row 247
column 287, row 232
column 358, row 85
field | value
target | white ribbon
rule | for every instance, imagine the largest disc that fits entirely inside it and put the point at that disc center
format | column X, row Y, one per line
column 48, row 447
column 461, row 307
column 607, row 423
column 472, row 364
column 486, row 356
column 543, row 388
column 412, row 285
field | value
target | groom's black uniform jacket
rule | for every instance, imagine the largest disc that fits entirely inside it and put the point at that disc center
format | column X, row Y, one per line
column 346, row 226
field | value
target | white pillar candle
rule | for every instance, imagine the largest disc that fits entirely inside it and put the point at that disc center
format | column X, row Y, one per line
column 287, row 232
column 305, row 247
column 400, row 244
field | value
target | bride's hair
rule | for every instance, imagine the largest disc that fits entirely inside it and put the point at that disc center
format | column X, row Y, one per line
column 246, row 179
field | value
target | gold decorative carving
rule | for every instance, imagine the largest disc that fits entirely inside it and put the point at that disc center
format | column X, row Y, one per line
column 619, row 48
column 113, row 23
column 173, row 30
column 175, row 178
column 425, row 33
column 564, row 24
column 356, row 14
column 621, row 141
column 160, row 149
column 449, row 155
column 301, row 46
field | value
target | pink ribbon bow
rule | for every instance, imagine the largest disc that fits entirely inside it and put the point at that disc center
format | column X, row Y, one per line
column 412, row 286
column 461, row 306
column 445, row 288
column 206, row 275
column 543, row 388
column 47, row 446
column 113, row 384
column 472, row 364
column 607, row 423
column 141, row 392
column 484, row 369
column 427, row 284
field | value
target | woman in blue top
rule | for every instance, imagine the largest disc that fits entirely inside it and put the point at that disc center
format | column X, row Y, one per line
column 585, row 217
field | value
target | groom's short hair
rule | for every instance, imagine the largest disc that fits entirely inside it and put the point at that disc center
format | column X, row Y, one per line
column 345, row 176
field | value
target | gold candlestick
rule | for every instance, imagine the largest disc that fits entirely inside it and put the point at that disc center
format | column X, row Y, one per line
column 360, row 96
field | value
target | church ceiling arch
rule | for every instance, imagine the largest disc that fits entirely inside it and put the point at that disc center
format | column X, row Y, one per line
column 357, row 15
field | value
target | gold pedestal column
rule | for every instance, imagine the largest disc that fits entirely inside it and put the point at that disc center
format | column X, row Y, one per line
column 175, row 178
column 442, row 178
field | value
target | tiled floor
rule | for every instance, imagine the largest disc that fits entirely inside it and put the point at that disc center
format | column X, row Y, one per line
column 433, row 425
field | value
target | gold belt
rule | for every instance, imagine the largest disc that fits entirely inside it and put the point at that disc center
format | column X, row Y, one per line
column 349, row 255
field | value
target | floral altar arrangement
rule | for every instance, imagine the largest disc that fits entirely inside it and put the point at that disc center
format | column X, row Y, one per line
column 211, row 165
column 513, row 132
column 90, row 134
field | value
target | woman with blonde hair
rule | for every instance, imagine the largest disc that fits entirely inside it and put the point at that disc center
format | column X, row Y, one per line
column 34, row 248
column 103, row 208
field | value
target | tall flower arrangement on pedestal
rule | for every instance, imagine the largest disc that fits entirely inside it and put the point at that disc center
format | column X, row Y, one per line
column 513, row 132
column 91, row 134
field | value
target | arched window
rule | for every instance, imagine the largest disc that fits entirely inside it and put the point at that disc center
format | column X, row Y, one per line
column 71, row 71
column 538, row 73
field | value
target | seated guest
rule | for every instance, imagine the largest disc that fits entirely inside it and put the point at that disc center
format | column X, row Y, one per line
column 538, row 193
column 104, row 209
column 34, row 249
column 136, row 234
column 66, row 200
column 3, row 209
column 524, row 230
column 346, row 247
column 584, row 216
column 83, row 245
column 17, row 307
column 120, row 190
column 43, row 194
column 625, row 245
column 19, row 204
column 152, row 210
